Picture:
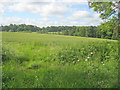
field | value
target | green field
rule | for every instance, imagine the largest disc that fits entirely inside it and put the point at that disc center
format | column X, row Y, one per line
column 32, row 60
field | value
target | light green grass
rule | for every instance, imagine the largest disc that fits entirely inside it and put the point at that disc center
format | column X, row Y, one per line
column 32, row 60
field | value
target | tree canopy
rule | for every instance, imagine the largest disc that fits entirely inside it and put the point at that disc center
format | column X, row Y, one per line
column 110, row 12
column 107, row 10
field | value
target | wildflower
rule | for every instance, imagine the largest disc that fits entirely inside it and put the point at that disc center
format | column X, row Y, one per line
column 85, row 59
column 88, row 57
column 73, row 62
column 91, row 52
column 103, row 64
column 78, row 60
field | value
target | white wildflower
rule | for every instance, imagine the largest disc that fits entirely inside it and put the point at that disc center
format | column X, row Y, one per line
column 91, row 52
column 88, row 57
column 73, row 61
column 85, row 59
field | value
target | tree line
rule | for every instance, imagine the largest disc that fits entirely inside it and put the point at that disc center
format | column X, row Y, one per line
column 105, row 30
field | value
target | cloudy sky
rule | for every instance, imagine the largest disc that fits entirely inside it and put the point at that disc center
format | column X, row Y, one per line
column 48, row 13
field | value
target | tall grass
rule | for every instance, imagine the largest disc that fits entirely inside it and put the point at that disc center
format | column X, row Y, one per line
column 32, row 60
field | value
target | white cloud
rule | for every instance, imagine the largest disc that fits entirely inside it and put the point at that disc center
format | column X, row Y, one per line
column 3, row 6
column 47, row 9
column 65, row 1
column 46, row 22
column 1, row 11
column 38, row 22
column 16, row 20
column 74, row 2
column 77, row 15
column 43, row 8
column 85, row 17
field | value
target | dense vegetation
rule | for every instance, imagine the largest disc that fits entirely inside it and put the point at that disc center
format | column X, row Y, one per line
column 32, row 60
column 105, row 30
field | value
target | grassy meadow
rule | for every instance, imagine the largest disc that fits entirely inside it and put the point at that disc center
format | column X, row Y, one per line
column 32, row 60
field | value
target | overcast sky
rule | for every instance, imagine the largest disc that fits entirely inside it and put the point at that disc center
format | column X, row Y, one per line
column 48, row 13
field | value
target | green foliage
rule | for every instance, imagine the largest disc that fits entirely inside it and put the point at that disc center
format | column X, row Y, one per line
column 105, row 30
column 109, row 12
column 19, row 28
column 106, row 9
column 32, row 60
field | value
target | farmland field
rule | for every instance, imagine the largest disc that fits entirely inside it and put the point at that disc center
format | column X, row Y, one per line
column 32, row 60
